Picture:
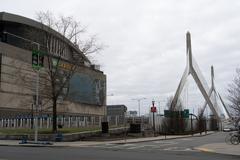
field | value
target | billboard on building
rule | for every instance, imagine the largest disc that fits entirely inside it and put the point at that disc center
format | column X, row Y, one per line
column 86, row 88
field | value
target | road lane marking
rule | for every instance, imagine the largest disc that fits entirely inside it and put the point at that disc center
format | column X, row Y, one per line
column 141, row 146
column 114, row 146
column 125, row 145
column 167, row 142
column 161, row 144
column 186, row 139
column 205, row 150
column 109, row 144
column 157, row 146
column 180, row 149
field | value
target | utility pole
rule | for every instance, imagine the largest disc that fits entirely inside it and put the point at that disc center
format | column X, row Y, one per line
column 139, row 101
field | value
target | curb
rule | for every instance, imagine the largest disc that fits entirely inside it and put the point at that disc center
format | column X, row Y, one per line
column 206, row 150
column 214, row 148
column 37, row 145
column 150, row 140
column 27, row 145
column 109, row 142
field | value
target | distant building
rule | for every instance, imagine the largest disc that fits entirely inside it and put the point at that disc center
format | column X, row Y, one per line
column 116, row 114
column 132, row 114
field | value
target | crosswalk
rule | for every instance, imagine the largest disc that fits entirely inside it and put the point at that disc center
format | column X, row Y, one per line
column 154, row 146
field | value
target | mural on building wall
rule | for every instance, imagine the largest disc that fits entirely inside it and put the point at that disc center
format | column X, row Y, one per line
column 84, row 88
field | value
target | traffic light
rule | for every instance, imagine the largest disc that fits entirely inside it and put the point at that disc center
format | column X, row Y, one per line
column 37, row 59
column 34, row 59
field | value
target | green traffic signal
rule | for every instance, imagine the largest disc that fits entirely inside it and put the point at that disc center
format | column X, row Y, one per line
column 37, row 59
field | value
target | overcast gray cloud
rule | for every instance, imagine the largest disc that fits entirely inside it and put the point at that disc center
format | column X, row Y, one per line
column 146, row 52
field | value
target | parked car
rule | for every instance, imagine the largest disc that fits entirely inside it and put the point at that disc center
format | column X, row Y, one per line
column 229, row 128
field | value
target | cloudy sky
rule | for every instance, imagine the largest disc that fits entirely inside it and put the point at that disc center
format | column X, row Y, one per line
column 146, row 51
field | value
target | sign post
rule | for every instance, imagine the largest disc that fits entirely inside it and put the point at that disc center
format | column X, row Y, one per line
column 153, row 110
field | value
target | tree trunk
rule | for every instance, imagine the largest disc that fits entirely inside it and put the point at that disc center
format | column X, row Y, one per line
column 54, row 126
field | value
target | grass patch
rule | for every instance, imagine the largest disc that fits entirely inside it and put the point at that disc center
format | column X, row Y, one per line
column 75, row 130
column 15, row 131
column 21, row 131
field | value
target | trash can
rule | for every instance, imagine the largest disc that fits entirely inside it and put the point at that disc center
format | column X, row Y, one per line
column 59, row 137
column 24, row 139
column 105, row 128
column 135, row 128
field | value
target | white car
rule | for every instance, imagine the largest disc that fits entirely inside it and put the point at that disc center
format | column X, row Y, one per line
column 229, row 128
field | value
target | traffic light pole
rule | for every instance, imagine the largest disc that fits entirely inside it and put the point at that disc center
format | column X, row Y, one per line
column 154, row 123
column 37, row 82
column 153, row 110
column 37, row 100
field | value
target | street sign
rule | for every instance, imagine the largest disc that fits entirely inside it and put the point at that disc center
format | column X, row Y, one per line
column 167, row 113
column 185, row 113
column 153, row 109
column 176, row 114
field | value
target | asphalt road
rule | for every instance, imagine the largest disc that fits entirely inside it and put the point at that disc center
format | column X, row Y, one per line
column 180, row 149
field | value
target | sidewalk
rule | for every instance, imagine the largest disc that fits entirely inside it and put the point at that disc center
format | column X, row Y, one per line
column 221, row 148
column 91, row 143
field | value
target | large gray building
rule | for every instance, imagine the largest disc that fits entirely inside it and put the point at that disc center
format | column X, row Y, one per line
column 83, row 100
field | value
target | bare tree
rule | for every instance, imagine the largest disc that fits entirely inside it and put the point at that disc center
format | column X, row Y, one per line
column 234, row 93
column 178, row 107
column 61, row 67
column 72, row 30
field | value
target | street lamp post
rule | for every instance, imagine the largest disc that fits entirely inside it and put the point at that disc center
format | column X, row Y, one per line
column 139, row 101
column 159, row 106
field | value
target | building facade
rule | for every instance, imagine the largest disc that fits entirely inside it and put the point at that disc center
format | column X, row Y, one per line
column 82, row 101
column 116, row 114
